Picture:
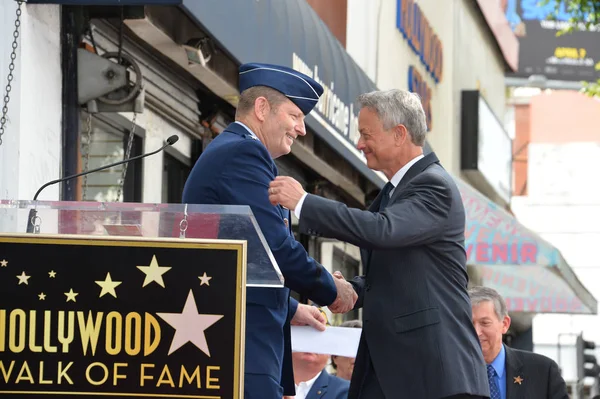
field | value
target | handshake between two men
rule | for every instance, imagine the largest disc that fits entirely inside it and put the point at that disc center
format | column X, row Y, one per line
column 346, row 295
column 287, row 192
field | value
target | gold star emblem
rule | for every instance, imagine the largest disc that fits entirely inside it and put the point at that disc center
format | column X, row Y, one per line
column 42, row 296
column 23, row 278
column 3, row 263
column 52, row 273
column 518, row 380
column 204, row 279
column 108, row 286
column 71, row 295
column 154, row 272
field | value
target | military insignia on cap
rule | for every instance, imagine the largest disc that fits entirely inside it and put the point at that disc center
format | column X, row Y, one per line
column 301, row 89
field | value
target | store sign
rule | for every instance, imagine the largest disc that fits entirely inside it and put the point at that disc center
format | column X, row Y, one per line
column 574, row 56
column 417, row 84
column 516, row 262
column 508, row 253
column 415, row 28
column 110, row 317
column 338, row 114
column 486, row 148
column 532, row 289
column 493, row 237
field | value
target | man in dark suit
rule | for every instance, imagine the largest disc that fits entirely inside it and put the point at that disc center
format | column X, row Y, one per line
column 417, row 340
column 512, row 373
column 236, row 169
column 313, row 381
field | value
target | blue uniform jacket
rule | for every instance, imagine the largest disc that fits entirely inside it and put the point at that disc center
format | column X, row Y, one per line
column 329, row 386
column 236, row 169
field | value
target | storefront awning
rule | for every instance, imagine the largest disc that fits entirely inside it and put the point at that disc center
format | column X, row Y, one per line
column 529, row 272
column 290, row 33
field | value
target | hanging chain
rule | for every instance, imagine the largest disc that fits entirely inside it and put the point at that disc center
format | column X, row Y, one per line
column 11, row 68
column 183, row 224
column 127, row 155
column 85, row 150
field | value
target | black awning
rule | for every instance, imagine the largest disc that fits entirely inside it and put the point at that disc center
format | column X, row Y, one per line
column 290, row 33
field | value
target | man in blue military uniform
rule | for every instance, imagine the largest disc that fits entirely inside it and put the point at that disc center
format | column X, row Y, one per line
column 236, row 169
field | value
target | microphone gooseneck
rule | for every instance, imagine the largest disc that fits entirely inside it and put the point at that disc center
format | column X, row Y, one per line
column 33, row 213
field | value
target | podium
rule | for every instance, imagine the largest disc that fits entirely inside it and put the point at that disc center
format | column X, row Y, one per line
column 127, row 299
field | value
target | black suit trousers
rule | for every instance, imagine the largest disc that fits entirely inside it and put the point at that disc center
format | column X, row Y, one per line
column 371, row 388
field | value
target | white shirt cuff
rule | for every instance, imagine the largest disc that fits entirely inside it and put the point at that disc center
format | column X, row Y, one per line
column 299, row 206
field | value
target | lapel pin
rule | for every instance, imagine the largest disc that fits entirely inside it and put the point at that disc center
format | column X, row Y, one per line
column 518, row 380
column 286, row 222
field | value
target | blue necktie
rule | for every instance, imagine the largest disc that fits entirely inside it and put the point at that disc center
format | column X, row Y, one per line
column 385, row 195
column 494, row 390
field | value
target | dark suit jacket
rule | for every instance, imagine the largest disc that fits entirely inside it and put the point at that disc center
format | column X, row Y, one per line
column 417, row 328
column 236, row 169
column 540, row 377
column 329, row 386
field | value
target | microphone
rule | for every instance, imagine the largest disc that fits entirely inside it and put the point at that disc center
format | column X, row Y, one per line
column 33, row 213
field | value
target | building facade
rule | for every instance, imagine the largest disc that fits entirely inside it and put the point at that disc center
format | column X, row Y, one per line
column 455, row 55
column 182, row 63
column 31, row 147
column 557, row 160
column 182, row 79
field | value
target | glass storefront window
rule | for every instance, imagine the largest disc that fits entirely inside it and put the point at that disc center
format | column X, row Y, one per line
column 175, row 174
column 109, row 139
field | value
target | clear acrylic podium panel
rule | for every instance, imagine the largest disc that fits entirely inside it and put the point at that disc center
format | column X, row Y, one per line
column 183, row 221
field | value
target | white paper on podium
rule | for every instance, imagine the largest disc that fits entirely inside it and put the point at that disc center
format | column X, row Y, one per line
column 339, row 341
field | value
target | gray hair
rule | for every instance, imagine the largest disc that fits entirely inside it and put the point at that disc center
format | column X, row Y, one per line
column 398, row 107
column 486, row 294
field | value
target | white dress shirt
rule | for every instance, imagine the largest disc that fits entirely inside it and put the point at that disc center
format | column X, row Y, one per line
column 397, row 178
column 395, row 181
column 248, row 129
column 304, row 387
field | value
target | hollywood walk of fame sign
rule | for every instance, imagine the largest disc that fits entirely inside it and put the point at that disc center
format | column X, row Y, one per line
column 97, row 316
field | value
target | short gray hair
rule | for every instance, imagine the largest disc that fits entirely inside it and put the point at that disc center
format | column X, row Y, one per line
column 486, row 294
column 398, row 107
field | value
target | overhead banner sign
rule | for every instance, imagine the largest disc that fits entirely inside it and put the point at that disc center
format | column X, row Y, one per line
column 573, row 56
column 492, row 237
column 532, row 289
column 526, row 270
column 110, row 317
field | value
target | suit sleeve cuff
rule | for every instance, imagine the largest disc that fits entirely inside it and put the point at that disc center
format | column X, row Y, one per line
column 299, row 206
column 293, row 307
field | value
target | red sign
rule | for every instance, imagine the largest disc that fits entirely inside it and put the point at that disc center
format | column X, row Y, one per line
column 515, row 254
